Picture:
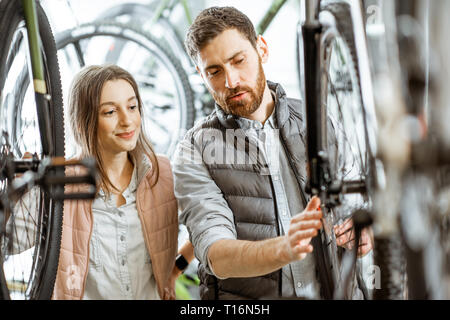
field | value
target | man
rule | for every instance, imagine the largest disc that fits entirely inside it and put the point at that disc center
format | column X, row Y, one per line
column 239, row 173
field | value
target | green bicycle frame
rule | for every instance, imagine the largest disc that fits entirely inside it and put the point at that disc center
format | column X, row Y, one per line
column 29, row 8
column 260, row 29
column 164, row 4
column 270, row 14
column 40, row 87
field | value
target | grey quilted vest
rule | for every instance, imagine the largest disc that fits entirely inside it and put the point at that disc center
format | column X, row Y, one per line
column 251, row 197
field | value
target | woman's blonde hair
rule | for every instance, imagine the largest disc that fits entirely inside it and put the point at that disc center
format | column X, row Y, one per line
column 84, row 102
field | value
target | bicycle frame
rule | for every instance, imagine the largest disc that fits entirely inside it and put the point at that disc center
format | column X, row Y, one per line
column 41, row 93
column 269, row 16
column 260, row 28
column 46, row 170
column 165, row 4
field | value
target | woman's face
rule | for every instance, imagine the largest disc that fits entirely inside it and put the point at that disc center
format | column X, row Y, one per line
column 119, row 120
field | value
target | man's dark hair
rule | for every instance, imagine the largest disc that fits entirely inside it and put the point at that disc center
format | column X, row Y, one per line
column 213, row 21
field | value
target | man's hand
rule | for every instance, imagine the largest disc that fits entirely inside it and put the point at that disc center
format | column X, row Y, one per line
column 302, row 229
column 231, row 258
column 345, row 237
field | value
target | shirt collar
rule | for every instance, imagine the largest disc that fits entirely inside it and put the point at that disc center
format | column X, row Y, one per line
column 246, row 124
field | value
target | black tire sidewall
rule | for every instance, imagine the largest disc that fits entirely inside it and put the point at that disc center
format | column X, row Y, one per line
column 11, row 14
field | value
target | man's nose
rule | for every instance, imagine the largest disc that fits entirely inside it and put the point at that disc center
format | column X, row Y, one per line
column 231, row 79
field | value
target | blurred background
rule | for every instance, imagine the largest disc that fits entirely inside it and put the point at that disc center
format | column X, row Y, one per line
column 280, row 36
column 173, row 93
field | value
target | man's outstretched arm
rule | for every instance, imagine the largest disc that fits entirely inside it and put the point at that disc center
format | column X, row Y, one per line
column 239, row 258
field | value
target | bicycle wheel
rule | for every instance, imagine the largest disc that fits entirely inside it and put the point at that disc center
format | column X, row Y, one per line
column 165, row 90
column 162, row 30
column 31, row 232
column 344, row 138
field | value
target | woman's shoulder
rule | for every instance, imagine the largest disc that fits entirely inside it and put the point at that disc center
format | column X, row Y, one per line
column 163, row 160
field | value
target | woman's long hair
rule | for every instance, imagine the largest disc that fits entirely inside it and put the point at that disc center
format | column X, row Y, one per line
column 84, row 102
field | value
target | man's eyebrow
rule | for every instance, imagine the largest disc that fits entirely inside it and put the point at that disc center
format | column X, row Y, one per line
column 229, row 59
column 113, row 103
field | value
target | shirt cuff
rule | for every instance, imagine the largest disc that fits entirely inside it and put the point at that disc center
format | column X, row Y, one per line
column 207, row 239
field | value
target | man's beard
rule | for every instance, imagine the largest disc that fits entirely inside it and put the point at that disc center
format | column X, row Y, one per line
column 245, row 106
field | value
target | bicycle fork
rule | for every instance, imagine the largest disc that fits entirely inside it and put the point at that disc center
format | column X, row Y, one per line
column 311, row 30
column 42, row 96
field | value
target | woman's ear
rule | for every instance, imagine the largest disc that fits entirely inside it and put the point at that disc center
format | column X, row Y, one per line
column 262, row 49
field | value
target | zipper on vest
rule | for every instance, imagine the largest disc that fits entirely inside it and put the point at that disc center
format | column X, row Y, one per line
column 291, row 164
column 318, row 251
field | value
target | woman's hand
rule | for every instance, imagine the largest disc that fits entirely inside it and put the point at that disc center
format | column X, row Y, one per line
column 169, row 290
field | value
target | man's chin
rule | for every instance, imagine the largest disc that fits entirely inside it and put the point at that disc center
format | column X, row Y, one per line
column 243, row 111
column 239, row 110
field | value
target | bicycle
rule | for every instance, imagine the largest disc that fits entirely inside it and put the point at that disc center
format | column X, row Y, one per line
column 414, row 93
column 31, row 191
column 340, row 127
column 167, row 95
column 401, row 174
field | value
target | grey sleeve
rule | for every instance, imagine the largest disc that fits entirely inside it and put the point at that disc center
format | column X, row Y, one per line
column 203, row 209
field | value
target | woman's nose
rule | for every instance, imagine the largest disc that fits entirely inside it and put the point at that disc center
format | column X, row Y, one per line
column 125, row 118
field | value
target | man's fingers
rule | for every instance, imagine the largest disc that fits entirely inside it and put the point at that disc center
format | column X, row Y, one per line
column 296, row 237
column 306, row 224
column 313, row 204
column 307, row 215
column 345, row 225
column 343, row 243
column 299, row 249
column 348, row 232
column 364, row 249
column 27, row 155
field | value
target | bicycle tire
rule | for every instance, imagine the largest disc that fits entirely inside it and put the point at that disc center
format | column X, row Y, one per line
column 152, row 47
column 139, row 15
column 46, row 252
column 337, row 39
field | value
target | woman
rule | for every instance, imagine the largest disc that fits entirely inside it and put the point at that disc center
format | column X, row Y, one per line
column 123, row 244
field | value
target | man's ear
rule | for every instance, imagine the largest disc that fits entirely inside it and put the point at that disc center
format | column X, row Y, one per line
column 262, row 48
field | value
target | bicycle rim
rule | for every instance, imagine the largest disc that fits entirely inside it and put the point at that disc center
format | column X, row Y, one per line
column 30, row 247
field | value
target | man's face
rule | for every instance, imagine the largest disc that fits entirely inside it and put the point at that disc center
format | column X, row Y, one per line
column 232, row 71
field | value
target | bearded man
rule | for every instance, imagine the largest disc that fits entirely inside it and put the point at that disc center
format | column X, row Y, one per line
column 240, row 173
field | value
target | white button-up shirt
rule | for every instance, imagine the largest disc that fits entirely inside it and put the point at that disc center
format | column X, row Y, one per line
column 119, row 262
